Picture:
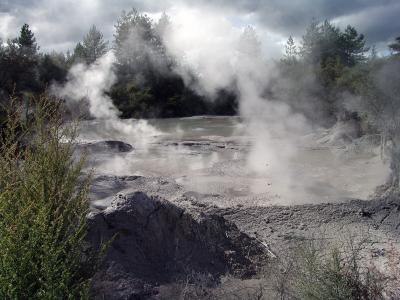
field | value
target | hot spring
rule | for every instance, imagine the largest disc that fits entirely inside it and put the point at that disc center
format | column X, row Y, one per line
column 211, row 155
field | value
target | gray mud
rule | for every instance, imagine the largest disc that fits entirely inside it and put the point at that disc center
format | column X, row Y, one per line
column 212, row 156
column 154, row 234
column 199, row 167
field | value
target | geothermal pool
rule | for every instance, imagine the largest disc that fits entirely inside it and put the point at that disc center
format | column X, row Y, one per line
column 219, row 158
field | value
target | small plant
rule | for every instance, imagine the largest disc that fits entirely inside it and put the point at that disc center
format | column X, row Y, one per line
column 337, row 273
column 393, row 289
column 43, row 205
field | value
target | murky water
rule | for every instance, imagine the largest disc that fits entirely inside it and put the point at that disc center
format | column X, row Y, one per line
column 210, row 155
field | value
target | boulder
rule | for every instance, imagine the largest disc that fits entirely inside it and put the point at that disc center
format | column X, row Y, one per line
column 154, row 241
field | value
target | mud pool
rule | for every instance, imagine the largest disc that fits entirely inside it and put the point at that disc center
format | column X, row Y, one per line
column 210, row 156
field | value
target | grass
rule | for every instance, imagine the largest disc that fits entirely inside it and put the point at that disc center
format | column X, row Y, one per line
column 337, row 273
column 43, row 205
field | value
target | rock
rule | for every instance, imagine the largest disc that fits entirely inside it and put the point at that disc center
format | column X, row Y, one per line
column 105, row 146
column 364, row 213
column 156, row 242
column 376, row 252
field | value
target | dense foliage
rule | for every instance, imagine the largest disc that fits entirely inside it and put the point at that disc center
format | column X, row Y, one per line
column 43, row 205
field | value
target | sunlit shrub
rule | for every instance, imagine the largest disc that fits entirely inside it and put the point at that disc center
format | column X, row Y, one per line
column 43, row 204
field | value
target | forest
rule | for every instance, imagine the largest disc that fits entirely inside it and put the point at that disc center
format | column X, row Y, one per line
column 328, row 65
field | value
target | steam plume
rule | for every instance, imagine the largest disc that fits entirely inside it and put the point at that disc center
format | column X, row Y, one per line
column 212, row 49
column 91, row 84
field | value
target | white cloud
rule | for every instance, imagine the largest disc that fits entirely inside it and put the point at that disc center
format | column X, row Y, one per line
column 61, row 24
column 7, row 25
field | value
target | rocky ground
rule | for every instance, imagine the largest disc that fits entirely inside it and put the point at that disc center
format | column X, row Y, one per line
column 170, row 227
column 159, row 241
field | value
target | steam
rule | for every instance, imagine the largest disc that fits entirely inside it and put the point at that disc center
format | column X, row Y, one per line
column 206, row 44
column 213, row 49
column 91, row 83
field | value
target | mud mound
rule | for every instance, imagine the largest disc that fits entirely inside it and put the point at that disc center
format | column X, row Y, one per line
column 157, row 242
column 105, row 187
column 105, row 146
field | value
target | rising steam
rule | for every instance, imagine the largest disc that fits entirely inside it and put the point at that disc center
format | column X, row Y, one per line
column 204, row 42
column 212, row 48
column 91, row 83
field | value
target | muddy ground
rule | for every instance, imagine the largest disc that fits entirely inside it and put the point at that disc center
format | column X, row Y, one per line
column 207, row 178
column 271, row 232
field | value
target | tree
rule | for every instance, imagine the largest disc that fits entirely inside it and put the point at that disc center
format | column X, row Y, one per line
column 309, row 49
column 380, row 102
column 28, row 57
column 53, row 67
column 94, row 45
column 19, row 61
column 163, row 25
column 27, row 42
column 3, row 72
column 290, row 51
column 79, row 55
column 352, row 47
column 144, row 63
column 249, row 43
column 329, row 41
column 326, row 42
column 134, row 42
column 91, row 48
column 162, row 29
column 395, row 47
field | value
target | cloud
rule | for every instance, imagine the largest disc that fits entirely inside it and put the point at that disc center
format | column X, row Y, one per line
column 61, row 24
column 6, row 24
column 380, row 23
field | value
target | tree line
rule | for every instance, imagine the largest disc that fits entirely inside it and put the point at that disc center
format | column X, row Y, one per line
column 312, row 76
column 147, row 85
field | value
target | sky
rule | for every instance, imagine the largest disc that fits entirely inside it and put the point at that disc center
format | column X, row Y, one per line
column 60, row 24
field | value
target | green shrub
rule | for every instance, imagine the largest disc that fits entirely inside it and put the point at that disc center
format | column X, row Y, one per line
column 43, row 204
column 337, row 273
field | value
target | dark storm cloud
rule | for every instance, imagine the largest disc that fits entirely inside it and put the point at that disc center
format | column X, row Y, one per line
column 60, row 24
column 379, row 20
column 380, row 24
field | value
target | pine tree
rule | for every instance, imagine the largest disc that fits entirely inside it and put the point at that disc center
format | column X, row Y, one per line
column 19, row 63
column 94, row 45
column 135, row 43
column 163, row 25
column 27, row 42
column 290, row 51
column 79, row 55
column 310, row 43
column 352, row 46
column 249, row 43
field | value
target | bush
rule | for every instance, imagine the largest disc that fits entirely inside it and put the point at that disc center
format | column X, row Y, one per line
column 337, row 273
column 43, row 205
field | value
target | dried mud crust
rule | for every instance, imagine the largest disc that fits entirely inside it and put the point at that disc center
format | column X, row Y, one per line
column 161, row 239
column 284, row 226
